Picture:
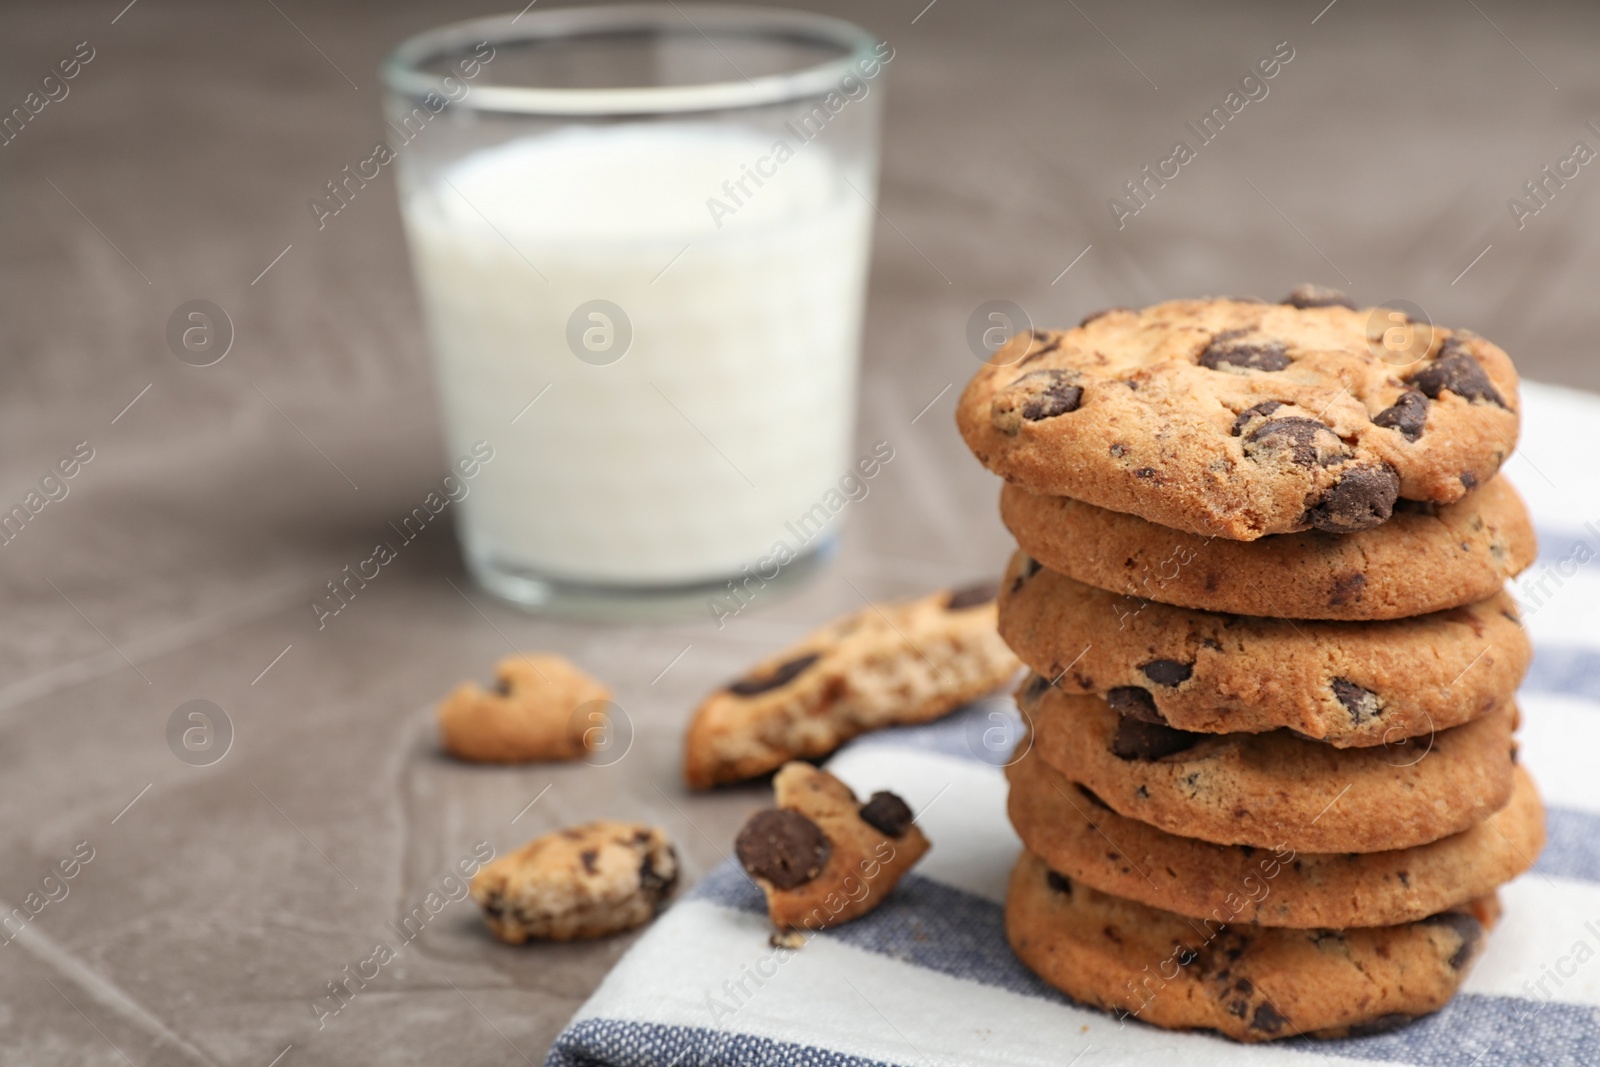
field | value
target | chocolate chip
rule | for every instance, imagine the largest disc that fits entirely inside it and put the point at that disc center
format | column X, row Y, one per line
column 1225, row 351
column 1168, row 672
column 780, row 676
column 502, row 687
column 1456, row 370
column 1267, row 1019
column 972, row 596
column 1362, row 703
column 1316, row 296
column 1469, row 481
column 1407, row 414
column 1058, row 883
column 1306, row 442
column 1361, row 499
column 1145, row 472
column 1135, row 702
column 1467, row 928
column 784, row 847
column 1050, row 345
column 1030, row 567
column 652, row 881
column 1102, row 313
column 1036, row 687
column 1139, row 740
column 1092, row 796
column 588, row 857
column 1266, row 407
column 1347, row 589
column 886, row 813
column 1033, row 397
column 1054, row 400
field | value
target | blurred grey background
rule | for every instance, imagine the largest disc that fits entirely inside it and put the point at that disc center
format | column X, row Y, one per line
column 1383, row 160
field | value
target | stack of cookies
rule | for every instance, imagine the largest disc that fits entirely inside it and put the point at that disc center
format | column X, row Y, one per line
column 1270, row 786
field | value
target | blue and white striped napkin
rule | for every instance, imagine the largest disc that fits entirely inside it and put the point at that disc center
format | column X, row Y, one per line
column 927, row 979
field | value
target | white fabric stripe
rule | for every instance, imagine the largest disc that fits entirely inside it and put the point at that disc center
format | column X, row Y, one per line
column 1549, row 926
column 1559, row 738
column 1553, row 466
column 1560, row 609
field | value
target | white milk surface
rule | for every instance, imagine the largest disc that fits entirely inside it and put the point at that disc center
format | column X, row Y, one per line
column 731, row 412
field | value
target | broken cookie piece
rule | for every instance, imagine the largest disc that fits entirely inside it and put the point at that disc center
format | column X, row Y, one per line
column 532, row 713
column 885, row 665
column 588, row 881
column 822, row 857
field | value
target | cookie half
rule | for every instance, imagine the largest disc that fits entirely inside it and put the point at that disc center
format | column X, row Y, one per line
column 1425, row 558
column 1345, row 683
column 1247, row 983
column 1239, row 419
column 1276, row 790
column 885, row 665
column 822, row 857
column 1073, row 831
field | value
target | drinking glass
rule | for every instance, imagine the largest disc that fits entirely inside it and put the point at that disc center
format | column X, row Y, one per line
column 640, row 236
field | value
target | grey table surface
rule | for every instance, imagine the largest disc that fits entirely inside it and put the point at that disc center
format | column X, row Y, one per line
column 220, row 901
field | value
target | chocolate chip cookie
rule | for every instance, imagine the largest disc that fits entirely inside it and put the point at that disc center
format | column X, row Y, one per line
column 1425, row 558
column 1344, row 683
column 885, row 665
column 587, row 881
column 1239, row 419
column 1074, row 831
column 1276, row 789
column 1248, row 983
column 822, row 857
column 536, row 711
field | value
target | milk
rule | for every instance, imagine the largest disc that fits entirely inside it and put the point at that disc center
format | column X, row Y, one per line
column 730, row 412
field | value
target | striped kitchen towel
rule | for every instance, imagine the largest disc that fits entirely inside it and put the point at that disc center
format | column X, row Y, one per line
column 927, row 979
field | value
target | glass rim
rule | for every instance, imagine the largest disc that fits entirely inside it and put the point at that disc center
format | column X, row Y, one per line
column 403, row 74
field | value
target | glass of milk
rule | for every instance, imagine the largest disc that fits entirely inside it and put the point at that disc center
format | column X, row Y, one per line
column 640, row 235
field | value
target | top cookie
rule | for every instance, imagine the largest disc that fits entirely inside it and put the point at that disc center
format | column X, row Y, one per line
column 1238, row 419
